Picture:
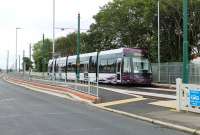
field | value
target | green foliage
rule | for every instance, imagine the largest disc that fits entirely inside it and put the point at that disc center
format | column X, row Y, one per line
column 42, row 54
column 66, row 45
column 123, row 23
column 28, row 63
column 133, row 23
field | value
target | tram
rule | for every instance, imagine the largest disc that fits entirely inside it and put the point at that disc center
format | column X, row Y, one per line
column 117, row 66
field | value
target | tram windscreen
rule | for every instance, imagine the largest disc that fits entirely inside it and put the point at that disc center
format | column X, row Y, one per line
column 141, row 65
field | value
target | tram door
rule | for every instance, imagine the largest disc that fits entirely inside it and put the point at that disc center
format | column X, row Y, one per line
column 85, row 70
column 118, row 69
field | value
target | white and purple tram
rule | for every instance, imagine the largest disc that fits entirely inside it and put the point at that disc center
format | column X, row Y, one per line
column 117, row 66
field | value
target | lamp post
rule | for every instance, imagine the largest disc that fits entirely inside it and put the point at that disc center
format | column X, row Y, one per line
column 30, row 61
column 7, row 64
column 185, row 42
column 19, row 63
column 53, row 37
column 158, row 40
column 78, row 50
column 17, row 28
column 43, row 61
column 24, row 62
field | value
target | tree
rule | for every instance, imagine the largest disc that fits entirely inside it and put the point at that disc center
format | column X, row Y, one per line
column 66, row 46
column 28, row 63
column 124, row 23
column 42, row 54
column 133, row 23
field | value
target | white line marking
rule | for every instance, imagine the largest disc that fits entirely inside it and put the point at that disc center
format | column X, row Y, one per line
column 128, row 92
column 7, row 99
column 156, row 89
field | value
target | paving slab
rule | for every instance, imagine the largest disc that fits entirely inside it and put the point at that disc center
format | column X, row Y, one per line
column 146, row 109
column 108, row 96
column 140, row 107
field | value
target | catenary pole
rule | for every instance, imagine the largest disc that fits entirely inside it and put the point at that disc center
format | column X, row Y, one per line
column 185, row 42
column 53, row 70
column 158, row 40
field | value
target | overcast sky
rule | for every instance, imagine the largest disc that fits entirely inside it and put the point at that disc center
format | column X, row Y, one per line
column 35, row 17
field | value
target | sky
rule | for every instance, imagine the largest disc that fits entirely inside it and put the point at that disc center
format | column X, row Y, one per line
column 34, row 17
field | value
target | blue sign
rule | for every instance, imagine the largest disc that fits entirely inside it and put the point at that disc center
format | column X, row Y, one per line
column 194, row 97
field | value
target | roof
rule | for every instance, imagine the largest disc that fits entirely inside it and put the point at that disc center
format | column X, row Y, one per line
column 120, row 50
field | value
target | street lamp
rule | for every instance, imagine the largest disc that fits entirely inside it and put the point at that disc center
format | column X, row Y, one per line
column 17, row 28
column 68, row 28
column 78, row 50
column 53, row 36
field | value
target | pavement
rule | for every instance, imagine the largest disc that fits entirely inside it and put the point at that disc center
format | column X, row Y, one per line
column 154, row 106
column 171, row 86
column 27, row 112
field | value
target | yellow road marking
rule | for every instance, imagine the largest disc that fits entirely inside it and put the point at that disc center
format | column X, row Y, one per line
column 121, row 101
column 168, row 103
column 173, row 110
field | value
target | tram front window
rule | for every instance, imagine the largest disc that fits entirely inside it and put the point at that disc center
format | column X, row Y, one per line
column 141, row 65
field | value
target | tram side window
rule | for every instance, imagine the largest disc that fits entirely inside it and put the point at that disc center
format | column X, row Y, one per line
column 74, row 67
column 81, row 67
column 69, row 67
column 50, row 68
column 103, row 66
column 111, row 66
column 56, row 68
column 127, row 65
column 92, row 66
column 63, row 68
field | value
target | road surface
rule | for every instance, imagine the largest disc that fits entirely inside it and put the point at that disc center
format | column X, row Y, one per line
column 26, row 112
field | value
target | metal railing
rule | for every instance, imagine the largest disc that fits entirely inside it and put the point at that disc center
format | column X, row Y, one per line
column 86, row 86
column 170, row 71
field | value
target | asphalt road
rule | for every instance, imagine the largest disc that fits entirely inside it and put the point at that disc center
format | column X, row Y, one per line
column 25, row 112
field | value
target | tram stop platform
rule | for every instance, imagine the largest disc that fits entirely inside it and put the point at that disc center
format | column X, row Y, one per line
column 163, row 110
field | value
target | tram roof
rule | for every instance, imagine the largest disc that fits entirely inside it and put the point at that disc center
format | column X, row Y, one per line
column 120, row 50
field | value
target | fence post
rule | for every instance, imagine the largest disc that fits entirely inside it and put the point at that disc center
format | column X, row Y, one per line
column 178, row 94
column 89, row 85
column 65, row 78
column 97, row 90
column 29, row 74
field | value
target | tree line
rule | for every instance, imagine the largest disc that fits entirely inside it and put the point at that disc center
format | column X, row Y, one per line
column 131, row 23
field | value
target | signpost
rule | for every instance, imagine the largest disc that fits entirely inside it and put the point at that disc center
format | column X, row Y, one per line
column 188, row 97
column 194, row 97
